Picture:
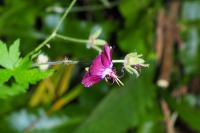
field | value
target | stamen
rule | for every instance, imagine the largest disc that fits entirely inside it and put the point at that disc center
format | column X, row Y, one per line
column 106, row 79
column 117, row 82
column 120, row 81
column 114, row 76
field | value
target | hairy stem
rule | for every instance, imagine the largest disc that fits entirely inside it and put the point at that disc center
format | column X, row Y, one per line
column 56, row 63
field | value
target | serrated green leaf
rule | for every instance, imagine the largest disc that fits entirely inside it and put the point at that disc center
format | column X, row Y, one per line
column 9, row 58
column 23, row 78
column 3, row 54
column 24, row 63
column 14, row 52
column 30, row 76
column 5, row 75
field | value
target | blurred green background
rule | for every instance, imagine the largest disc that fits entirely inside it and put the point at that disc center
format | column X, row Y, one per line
column 166, row 32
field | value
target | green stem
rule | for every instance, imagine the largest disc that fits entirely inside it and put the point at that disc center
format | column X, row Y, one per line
column 55, row 30
column 117, row 61
column 64, row 15
column 67, row 38
column 42, row 44
column 96, row 48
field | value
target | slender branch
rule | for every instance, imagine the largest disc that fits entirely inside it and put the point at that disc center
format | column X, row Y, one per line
column 169, row 119
column 55, row 30
column 117, row 61
column 56, row 63
column 96, row 48
column 168, row 44
column 42, row 44
column 64, row 15
column 67, row 38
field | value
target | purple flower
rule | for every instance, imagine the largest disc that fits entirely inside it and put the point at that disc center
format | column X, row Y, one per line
column 100, row 68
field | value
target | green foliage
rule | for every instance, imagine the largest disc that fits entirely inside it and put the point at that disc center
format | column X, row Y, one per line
column 9, row 57
column 13, row 90
column 187, row 113
column 30, row 76
column 127, row 25
column 125, row 107
column 5, row 75
column 130, row 14
column 189, row 54
column 138, row 30
column 19, row 69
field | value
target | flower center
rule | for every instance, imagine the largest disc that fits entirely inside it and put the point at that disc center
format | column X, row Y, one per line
column 107, row 71
column 111, row 73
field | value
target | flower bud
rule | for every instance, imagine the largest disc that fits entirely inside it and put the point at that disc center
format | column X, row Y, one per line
column 133, row 62
column 93, row 38
column 42, row 58
column 96, row 32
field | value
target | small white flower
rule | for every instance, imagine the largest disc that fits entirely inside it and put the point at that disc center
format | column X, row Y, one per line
column 42, row 59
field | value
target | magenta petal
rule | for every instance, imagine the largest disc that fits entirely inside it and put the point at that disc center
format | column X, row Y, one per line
column 106, row 57
column 101, row 62
column 89, row 80
column 97, row 67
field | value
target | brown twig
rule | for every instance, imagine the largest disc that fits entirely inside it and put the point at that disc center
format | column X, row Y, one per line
column 169, row 119
column 167, row 37
column 159, row 34
column 195, row 85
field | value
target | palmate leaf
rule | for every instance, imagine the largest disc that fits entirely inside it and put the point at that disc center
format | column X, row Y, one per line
column 30, row 76
column 9, row 57
column 5, row 75
column 19, row 69
column 24, row 74
column 22, row 80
